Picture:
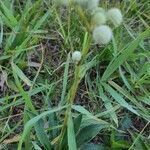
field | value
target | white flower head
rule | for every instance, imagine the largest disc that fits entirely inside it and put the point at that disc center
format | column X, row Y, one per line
column 82, row 3
column 98, row 9
column 76, row 56
column 98, row 18
column 102, row 34
column 92, row 4
column 63, row 2
column 115, row 16
column 88, row 4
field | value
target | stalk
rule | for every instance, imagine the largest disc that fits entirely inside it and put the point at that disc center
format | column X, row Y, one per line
column 75, row 85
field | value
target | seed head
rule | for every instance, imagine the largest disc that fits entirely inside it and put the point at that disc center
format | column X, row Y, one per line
column 63, row 2
column 82, row 3
column 88, row 4
column 97, row 10
column 92, row 4
column 102, row 34
column 115, row 16
column 98, row 18
column 76, row 56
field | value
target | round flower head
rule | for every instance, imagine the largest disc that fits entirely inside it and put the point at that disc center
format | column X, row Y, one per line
column 92, row 4
column 98, row 18
column 115, row 16
column 63, row 2
column 76, row 56
column 97, row 10
column 88, row 4
column 102, row 34
column 82, row 3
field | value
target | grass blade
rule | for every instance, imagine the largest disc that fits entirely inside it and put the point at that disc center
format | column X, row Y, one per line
column 20, row 74
column 123, row 55
column 33, row 121
column 119, row 99
column 71, row 134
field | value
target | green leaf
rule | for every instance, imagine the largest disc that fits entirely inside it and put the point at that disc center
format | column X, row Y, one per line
column 24, row 94
column 65, row 78
column 92, row 146
column 8, row 14
column 40, row 132
column 123, row 55
column 77, row 123
column 139, row 142
column 89, row 132
column 33, row 121
column 119, row 98
column 83, row 111
column 71, row 134
column 1, row 32
column 20, row 74
column 108, row 104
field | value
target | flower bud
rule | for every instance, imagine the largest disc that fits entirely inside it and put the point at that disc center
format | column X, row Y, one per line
column 98, row 18
column 115, row 16
column 76, row 56
column 102, row 34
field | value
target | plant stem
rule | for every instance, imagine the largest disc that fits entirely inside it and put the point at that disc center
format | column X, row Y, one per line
column 74, row 87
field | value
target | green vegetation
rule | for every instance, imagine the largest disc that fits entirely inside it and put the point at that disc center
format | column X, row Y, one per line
column 97, row 101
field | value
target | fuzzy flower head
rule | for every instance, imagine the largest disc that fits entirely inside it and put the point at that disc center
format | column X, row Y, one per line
column 115, row 16
column 88, row 4
column 102, row 34
column 92, row 4
column 98, row 18
column 63, row 2
column 76, row 56
column 98, row 10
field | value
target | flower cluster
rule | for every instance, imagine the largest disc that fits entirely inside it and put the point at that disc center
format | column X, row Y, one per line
column 101, row 32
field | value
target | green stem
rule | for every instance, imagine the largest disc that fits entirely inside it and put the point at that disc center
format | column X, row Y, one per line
column 74, row 87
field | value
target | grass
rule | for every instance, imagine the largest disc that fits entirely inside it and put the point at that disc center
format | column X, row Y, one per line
column 48, row 102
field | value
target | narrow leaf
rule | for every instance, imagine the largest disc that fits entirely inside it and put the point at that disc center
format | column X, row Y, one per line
column 20, row 74
column 71, row 134
column 123, row 55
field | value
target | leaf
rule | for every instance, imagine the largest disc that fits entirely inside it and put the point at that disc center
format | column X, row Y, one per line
column 77, row 123
column 123, row 55
column 8, row 14
column 83, row 111
column 119, row 98
column 89, row 132
column 1, row 32
column 125, row 79
column 65, row 78
column 92, row 146
column 108, row 104
column 40, row 132
column 71, row 134
column 20, row 74
column 139, row 142
column 36, row 147
column 25, row 95
column 33, row 121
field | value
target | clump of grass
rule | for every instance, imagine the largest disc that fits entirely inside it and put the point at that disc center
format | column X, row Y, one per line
column 105, row 67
